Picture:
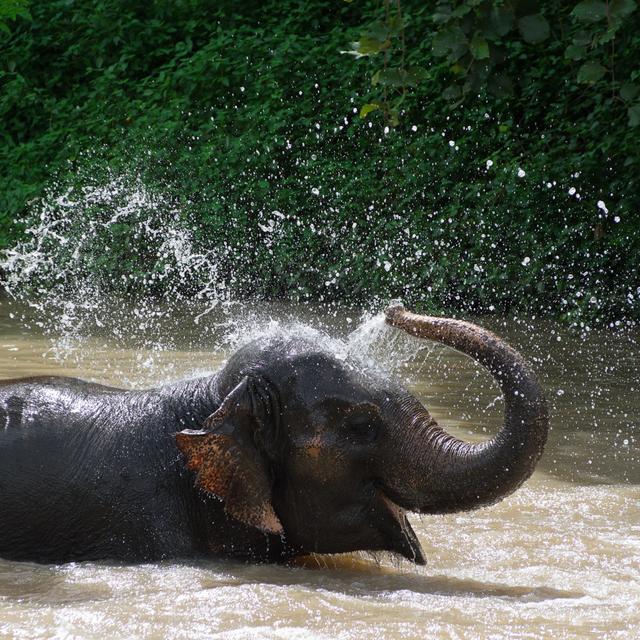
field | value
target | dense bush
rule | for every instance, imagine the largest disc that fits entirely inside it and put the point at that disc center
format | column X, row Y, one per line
column 246, row 117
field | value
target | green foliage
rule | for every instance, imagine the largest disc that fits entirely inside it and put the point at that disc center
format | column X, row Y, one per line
column 386, row 36
column 236, row 111
column 11, row 10
column 479, row 39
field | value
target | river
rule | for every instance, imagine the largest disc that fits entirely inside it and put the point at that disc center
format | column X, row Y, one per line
column 558, row 559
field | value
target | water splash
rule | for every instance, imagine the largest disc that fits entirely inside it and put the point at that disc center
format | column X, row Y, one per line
column 166, row 290
column 394, row 351
column 57, row 270
column 372, row 346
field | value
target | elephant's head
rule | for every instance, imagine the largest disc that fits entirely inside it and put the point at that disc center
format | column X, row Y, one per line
column 328, row 457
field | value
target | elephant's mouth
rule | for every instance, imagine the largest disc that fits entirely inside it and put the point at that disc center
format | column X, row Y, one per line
column 395, row 527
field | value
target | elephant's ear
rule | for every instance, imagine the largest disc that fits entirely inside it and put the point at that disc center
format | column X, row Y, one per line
column 227, row 460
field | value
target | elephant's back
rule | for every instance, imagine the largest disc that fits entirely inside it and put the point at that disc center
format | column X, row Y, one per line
column 49, row 434
column 42, row 416
column 50, row 389
column 89, row 472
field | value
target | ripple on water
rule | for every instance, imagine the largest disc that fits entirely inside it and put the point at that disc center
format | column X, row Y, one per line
column 557, row 559
column 534, row 566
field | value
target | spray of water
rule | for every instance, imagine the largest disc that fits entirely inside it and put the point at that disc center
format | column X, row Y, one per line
column 169, row 291
column 55, row 271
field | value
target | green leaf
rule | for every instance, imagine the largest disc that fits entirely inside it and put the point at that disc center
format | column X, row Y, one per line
column 634, row 115
column 367, row 46
column 415, row 75
column 621, row 8
column 23, row 12
column 12, row 9
column 607, row 36
column 591, row 72
column 369, row 108
column 575, row 52
column 629, row 91
column 479, row 47
column 451, row 42
column 395, row 23
column 475, row 78
column 375, row 78
column 590, row 10
column 452, row 93
column 534, row 28
column 583, row 38
column 442, row 13
column 462, row 10
column 382, row 30
column 501, row 21
column 399, row 77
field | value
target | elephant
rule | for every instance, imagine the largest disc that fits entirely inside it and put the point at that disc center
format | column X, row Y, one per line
column 286, row 451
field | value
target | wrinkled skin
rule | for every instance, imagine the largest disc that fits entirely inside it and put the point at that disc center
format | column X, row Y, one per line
column 286, row 451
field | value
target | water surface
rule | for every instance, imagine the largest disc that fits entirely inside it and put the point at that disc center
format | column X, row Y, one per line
column 558, row 559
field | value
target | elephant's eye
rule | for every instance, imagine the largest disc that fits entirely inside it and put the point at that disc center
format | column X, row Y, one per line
column 362, row 428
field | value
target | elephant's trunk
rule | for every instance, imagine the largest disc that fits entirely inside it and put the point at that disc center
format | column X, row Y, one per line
column 441, row 474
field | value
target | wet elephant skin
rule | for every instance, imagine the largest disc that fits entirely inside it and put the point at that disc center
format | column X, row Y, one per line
column 91, row 472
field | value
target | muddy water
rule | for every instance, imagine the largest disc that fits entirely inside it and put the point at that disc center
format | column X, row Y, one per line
column 558, row 559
